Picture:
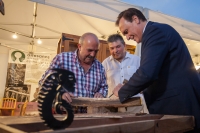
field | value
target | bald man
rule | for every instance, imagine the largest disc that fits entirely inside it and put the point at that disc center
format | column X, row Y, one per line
column 89, row 72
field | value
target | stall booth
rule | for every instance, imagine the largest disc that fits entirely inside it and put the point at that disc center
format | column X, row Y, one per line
column 59, row 24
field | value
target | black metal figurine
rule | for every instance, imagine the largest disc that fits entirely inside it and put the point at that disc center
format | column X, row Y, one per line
column 52, row 87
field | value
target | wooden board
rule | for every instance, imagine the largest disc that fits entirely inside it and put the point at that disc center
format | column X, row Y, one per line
column 7, row 129
column 105, row 102
column 125, row 124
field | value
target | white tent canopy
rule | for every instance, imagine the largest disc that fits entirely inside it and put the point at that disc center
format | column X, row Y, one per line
column 109, row 10
column 54, row 17
column 49, row 18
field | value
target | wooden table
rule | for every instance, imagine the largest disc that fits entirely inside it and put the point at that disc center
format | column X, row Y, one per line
column 102, row 123
column 95, row 122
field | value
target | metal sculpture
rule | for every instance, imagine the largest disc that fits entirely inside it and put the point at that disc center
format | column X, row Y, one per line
column 52, row 87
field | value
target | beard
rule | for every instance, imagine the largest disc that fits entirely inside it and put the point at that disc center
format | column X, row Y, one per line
column 89, row 59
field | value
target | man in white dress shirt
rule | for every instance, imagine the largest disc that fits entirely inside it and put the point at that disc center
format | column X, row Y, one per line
column 120, row 66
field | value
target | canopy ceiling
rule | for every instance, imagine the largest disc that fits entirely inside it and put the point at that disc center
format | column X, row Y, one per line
column 54, row 17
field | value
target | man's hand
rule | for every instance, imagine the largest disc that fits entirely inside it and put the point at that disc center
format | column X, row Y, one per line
column 67, row 97
column 116, row 89
column 98, row 95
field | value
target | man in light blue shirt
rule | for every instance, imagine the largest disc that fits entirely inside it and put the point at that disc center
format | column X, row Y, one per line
column 120, row 66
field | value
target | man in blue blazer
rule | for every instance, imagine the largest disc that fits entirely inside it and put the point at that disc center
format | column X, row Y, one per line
column 166, row 75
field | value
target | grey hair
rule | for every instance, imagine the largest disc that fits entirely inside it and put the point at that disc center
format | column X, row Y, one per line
column 82, row 38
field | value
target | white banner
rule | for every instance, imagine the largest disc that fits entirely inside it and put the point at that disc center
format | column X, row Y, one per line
column 24, row 71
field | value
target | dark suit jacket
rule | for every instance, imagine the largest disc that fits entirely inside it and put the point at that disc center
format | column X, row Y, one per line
column 167, row 72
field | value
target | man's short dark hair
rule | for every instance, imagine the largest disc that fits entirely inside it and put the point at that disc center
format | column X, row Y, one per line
column 114, row 38
column 127, row 15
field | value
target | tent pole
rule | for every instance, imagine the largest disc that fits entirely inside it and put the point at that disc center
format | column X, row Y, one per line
column 3, row 45
column 34, row 19
column 15, row 32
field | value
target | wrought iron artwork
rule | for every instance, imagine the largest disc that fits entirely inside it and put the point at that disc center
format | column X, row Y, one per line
column 52, row 87
column 2, row 10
